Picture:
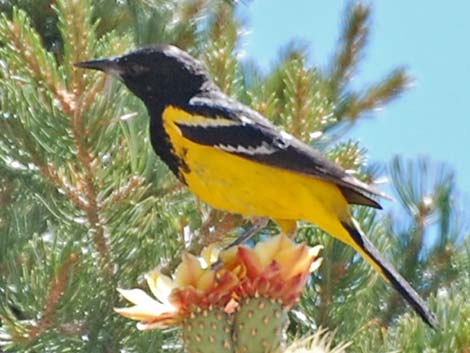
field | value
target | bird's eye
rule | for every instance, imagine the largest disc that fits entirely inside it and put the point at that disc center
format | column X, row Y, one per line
column 136, row 69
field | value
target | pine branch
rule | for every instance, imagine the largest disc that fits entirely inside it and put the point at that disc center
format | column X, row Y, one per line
column 24, row 46
column 119, row 195
column 217, row 227
column 75, row 160
column 41, row 69
column 93, row 211
column 375, row 96
column 307, row 111
column 349, row 155
column 353, row 40
column 77, row 33
column 42, row 17
column 55, row 291
column 187, row 18
column 424, row 190
column 350, row 105
column 299, row 83
column 219, row 52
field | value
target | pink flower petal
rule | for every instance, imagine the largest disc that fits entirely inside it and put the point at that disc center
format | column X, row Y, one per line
column 249, row 258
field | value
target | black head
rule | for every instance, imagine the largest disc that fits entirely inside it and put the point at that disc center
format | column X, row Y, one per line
column 161, row 74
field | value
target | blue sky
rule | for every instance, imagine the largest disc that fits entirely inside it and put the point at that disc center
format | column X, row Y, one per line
column 430, row 38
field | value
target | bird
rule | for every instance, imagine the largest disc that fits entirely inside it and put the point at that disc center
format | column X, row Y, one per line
column 236, row 160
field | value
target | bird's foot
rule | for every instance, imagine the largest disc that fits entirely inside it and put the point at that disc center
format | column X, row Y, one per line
column 258, row 224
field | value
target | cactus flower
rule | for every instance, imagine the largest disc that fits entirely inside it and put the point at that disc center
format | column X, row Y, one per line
column 240, row 307
column 194, row 287
column 276, row 268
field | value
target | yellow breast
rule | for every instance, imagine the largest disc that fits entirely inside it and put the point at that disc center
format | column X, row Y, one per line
column 235, row 184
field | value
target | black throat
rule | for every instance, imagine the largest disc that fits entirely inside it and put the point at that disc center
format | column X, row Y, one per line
column 179, row 95
column 167, row 84
column 161, row 141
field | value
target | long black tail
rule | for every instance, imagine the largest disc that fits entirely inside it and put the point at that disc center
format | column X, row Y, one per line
column 372, row 255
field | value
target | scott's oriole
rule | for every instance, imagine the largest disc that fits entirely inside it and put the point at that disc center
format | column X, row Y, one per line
column 235, row 160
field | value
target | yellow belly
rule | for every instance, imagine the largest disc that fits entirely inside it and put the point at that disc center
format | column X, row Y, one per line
column 235, row 184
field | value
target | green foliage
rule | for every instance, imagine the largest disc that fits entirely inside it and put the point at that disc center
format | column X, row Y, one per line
column 219, row 50
column 85, row 206
column 409, row 335
column 427, row 242
column 350, row 103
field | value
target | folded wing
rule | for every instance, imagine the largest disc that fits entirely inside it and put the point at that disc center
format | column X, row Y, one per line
column 250, row 136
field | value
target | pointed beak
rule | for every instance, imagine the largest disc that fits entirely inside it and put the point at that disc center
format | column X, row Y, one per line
column 106, row 65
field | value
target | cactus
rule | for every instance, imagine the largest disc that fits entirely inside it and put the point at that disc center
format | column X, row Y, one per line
column 207, row 331
column 258, row 325
column 239, row 307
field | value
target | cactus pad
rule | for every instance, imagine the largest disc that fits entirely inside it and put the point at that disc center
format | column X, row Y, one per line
column 258, row 326
column 207, row 331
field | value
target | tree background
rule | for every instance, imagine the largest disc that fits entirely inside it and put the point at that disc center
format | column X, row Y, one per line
column 86, row 206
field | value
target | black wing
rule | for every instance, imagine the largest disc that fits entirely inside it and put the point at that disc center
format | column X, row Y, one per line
column 253, row 137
